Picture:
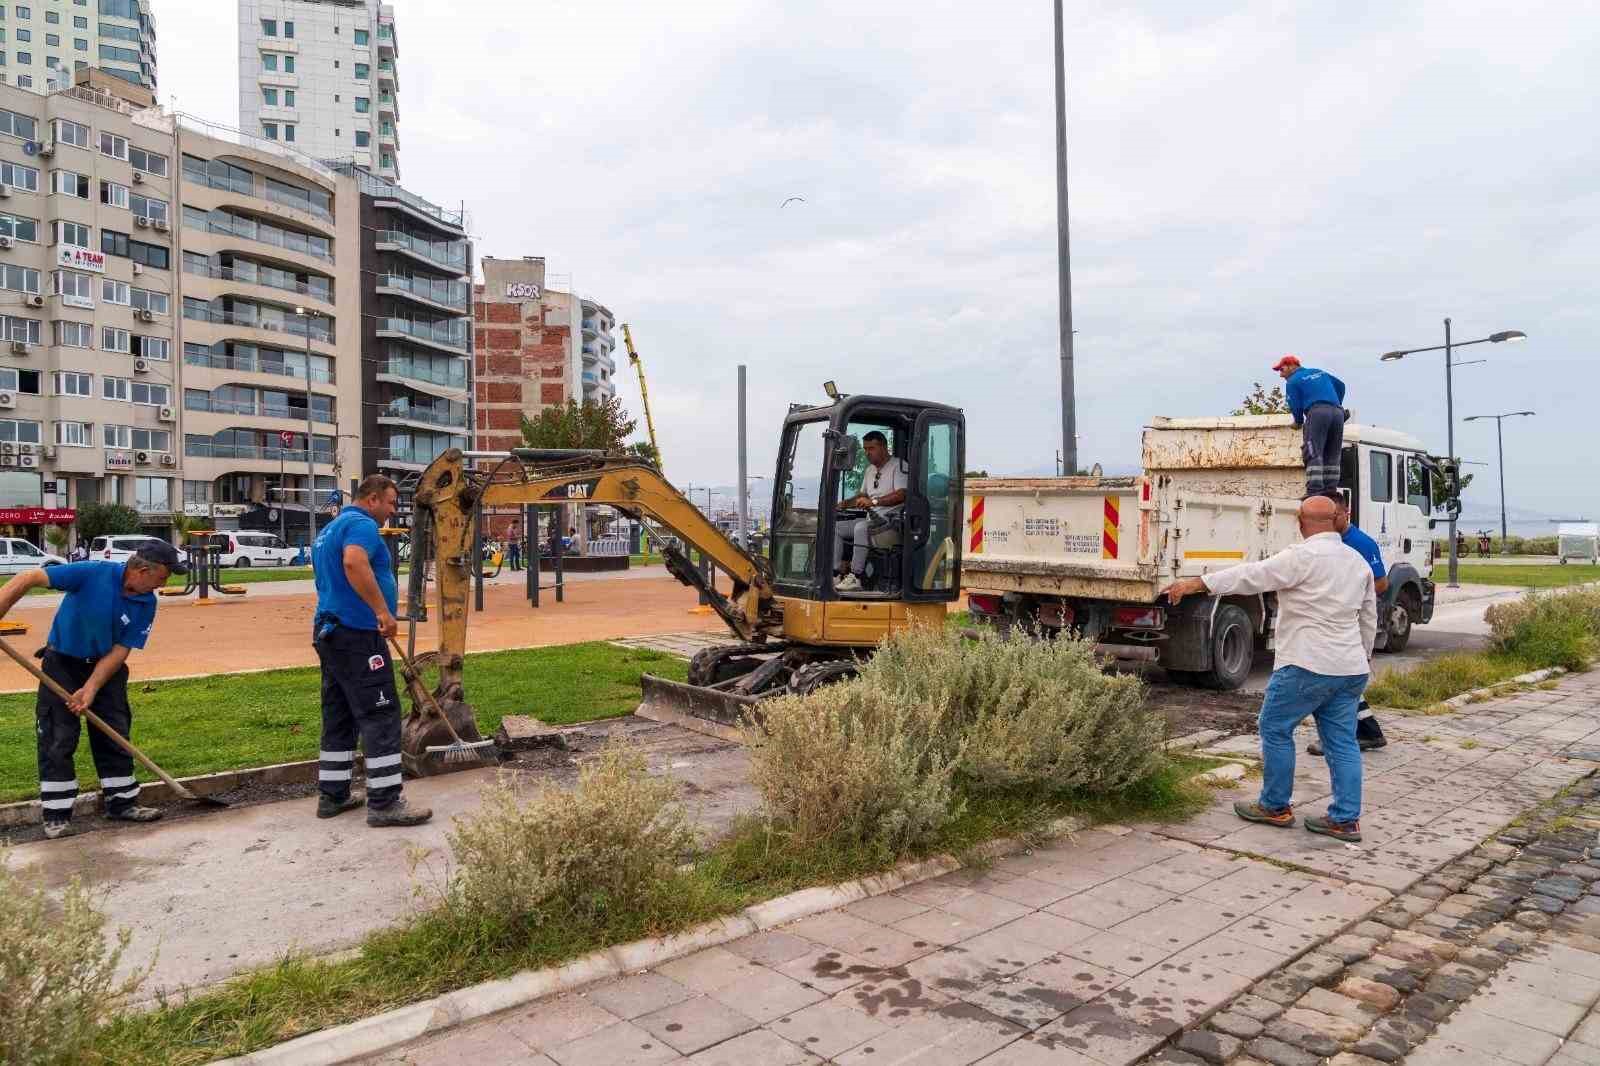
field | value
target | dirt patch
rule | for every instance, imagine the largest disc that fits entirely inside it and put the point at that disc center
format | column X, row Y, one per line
column 1189, row 710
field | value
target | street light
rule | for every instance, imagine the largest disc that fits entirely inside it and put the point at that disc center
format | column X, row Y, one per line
column 1500, row 441
column 1448, row 347
column 311, row 470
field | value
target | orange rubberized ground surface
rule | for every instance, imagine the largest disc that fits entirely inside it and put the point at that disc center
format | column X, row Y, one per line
column 264, row 632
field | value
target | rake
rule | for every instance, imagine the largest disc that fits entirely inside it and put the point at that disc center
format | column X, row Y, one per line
column 457, row 750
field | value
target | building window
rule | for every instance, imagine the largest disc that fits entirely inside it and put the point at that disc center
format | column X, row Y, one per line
column 74, row 335
column 79, row 22
column 74, row 435
column 363, row 105
column 113, row 194
column 26, row 330
column 363, row 37
column 24, row 81
column 19, row 279
column 73, row 133
column 18, row 228
column 72, row 383
column 159, row 348
column 77, row 288
column 149, row 162
column 24, row 35
column 150, row 255
column 152, row 494
column 25, row 59
column 269, row 61
column 363, row 138
column 148, row 207
column 81, row 44
column 114, row 340
column 269, row 96
column 113, row 146
column 288, row 131
column 19, row 177
column 53, row 18
column 15, row 429
column 269, row 130
column 288, row 98
column 115, row 292
column 363, row 71
column 69, row 183
column 269, row 27
column 74, row 233
column 147, row 395
column 149, row 300
column 196, row 493
column 25, row 382
column 288, row 64
column 288, row 29
column 52, row 40
column 118, row 54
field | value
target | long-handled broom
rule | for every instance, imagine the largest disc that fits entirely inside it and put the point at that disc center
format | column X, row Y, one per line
column 457, row 750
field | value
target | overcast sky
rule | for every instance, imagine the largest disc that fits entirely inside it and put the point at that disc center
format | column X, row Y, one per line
column 1330, row 180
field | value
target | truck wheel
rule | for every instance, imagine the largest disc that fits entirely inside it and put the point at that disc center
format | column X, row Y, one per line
column 1233, row 649
column 1402, row 617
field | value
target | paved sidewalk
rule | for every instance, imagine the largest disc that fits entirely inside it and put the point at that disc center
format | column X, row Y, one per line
column 1096, row 950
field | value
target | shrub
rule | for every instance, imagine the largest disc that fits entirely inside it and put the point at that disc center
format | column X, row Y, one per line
column 106, row 519
column 57, row 973
column 1550, row 629
column 605, row 846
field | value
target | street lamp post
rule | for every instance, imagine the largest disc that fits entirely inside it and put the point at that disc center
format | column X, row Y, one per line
column 1448, row 347
column 1500, row 444
column 1069, row 402
column 311, row 451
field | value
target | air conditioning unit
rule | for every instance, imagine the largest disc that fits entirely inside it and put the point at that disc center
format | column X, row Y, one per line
column 8, row 399
column 141, row 366
column 141, row 221
column 168, row 459
column 48, row 451
column 8, row 447
column 138, row 178
column 160, row 225
column 167, row 414
column 48, row 148
column 142, row 458
column 35, row 301
column 19, row 347
column 5, row 192
column 144, row 316
column 26, row 449
column 27, row 460
column 138, row 268
column 6, row 242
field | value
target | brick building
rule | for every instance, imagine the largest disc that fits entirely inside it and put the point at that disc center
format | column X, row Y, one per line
column 526, row 358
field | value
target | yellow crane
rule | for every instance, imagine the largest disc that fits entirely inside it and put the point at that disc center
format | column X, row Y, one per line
column 644, row 393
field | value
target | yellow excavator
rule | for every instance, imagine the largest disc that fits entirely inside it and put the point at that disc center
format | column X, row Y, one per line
column 793, row 628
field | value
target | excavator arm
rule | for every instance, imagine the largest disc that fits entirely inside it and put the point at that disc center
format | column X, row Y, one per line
column 448, row 494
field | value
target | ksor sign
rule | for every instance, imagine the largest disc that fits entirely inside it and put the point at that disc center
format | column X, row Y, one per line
column 522, row 290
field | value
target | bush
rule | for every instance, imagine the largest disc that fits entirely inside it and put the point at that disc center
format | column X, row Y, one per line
column 56, row 973
column 886, row 759
column 1550, row 629
column 605, row 846
column 106, row 519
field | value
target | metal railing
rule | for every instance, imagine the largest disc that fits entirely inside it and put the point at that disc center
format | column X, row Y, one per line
column 260, row 409
column 423, row 413
column 449, row 254
column 446, row 293
column 251, row 230
column 453, row 378
column 323, row 292
column 416, row 456
column 256, row 365
column 607, row 546
column 212, row 450
column 294, row 326
column 382, row 188
column 261, row 144
column 448, row 333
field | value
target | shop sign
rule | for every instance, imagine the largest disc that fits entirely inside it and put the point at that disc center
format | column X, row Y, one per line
column 119, row 460
column 81, row 259
column 37, row 516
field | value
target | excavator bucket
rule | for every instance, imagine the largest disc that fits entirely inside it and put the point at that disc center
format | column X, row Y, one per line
column 711, row 711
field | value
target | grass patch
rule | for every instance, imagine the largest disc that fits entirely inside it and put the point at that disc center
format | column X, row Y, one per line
column 652, row 559
column 1440, row 678
column 435, row 953
column 1538, row 576
column 227, row 722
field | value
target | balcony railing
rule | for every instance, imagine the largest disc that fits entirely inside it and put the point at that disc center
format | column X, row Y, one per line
column 449, row 254
column 447, row 293
column 295, row 326
column 250, row 230
column 455, row 377
column 249, row 140
column 212, row 450
column 415, row 456
column 451, row 334
column 257, row 277
column 421, row 413
column 256, row 365
column 250, row 407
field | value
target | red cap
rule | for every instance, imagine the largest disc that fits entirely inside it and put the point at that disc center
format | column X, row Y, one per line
column 1288, row 360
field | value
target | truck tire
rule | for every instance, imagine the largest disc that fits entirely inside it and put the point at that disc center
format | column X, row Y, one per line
column 1233, row 649
column 1402, row 619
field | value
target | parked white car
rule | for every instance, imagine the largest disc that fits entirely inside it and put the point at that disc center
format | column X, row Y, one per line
column 256, row 549
column 118, row 548
column 17, row 555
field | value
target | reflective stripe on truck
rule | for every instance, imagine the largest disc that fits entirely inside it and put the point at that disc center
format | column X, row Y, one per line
column 975, row 525
column 1108, row 541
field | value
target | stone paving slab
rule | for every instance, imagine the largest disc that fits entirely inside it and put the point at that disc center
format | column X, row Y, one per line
column 1099, row 949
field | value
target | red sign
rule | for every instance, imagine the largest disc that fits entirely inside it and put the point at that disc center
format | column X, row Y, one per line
column 286, row 437
column 37, row 516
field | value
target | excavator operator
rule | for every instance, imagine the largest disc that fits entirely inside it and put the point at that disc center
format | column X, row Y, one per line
column 883, row 492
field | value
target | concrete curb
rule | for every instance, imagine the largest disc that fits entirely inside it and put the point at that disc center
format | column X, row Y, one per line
column 1193, row 740
column 1476, row 694
column 384, row 1032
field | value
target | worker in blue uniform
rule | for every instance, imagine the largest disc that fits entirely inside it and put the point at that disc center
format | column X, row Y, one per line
column 1316, row 400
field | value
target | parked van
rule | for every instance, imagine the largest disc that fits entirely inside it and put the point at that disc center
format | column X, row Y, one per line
column 17, row 555
column 118, row 548
column 255, row 549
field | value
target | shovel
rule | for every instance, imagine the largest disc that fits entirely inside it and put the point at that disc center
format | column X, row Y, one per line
column 116, row 738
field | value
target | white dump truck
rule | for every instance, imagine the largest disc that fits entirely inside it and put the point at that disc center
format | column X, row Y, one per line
column 1091, row 554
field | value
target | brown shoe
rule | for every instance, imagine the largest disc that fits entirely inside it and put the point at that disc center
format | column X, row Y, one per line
column 1254, row 812
column 1349, row 832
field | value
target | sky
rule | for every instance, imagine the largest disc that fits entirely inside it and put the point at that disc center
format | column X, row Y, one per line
column 1247, row 180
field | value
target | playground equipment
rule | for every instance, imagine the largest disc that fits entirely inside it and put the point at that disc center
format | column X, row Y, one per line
column 204, row 548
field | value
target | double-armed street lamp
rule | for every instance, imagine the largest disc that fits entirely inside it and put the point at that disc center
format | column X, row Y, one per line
column 1500, row 441
column 1448, row 348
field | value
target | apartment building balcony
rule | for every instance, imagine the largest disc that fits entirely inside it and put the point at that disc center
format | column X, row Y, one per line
column 197, row 402
column 287, row 45
column 259, row 189
column 448, row 382
column 247, row 281
column 449, row 335
column 449, row 256
column 451, row 297
column 403, row 412
column 244, row 364
column 278, row 79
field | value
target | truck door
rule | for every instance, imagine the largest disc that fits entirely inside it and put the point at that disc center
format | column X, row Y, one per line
column 1416, row 542
column 934, row 510
column 1378, row 518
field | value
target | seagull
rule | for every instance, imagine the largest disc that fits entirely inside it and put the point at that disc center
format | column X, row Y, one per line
column 791, row 200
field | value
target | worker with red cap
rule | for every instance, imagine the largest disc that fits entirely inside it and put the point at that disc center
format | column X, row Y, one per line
column 1316, row 400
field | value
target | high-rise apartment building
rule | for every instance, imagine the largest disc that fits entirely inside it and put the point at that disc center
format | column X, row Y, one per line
column 598, row 366
column 45, row 39
column 320, row 76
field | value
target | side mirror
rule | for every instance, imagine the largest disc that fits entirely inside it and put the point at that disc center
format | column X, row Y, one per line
column 846, row 452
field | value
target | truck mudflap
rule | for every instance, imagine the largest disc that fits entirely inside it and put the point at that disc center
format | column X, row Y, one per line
column 710, row 711
column 1428, row 593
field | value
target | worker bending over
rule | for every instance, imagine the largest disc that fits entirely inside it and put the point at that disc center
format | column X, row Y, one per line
column 356, row 601
column 882, row 495
column 1316, row 400
column 107, row 612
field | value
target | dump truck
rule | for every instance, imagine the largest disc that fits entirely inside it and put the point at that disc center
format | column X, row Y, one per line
column 1091, row 554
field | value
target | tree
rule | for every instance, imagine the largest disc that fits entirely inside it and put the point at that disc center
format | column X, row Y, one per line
column 603, row 425
column 1261, row 402
column 106, row 519
column 644, row 450
column 56, row 537
column 976, row 473
column 1441, row 489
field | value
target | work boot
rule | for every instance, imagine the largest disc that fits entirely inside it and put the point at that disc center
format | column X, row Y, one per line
column 56, row 830
column 398, row 813
column 848, row 583
column 1364, row 743
column 1349, row 832
column 134, row 814
column 1254, row 812
column 328, row 807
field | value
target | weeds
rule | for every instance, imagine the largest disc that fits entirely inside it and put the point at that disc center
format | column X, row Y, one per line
column 57, row 973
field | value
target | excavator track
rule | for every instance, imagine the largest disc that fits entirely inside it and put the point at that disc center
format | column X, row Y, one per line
column 716, row 665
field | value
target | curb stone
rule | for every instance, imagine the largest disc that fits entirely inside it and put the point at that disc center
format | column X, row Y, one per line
column 384, row 1032
column 1530, row 678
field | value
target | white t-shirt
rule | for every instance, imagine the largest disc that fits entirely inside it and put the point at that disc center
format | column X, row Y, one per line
column 882, row 480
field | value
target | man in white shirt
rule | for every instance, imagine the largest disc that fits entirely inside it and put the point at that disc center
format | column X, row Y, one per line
column 1327, row 621
column 883, row 493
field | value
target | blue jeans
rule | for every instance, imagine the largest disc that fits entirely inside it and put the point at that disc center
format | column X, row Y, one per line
column 1292, row 694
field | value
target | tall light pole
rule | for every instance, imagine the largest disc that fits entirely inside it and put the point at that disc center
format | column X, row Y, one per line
column 1069, row 414
column 1448, row 347
column 1500, row 443
column 311, row 470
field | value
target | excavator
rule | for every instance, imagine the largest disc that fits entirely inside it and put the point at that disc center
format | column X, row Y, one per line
column 793, row 629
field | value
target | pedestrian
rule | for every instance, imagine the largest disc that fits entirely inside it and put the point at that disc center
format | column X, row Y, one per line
column 356, row 601
column 1316, row 400
column 106, row 613
column 515, row 548
column 1327, row 621
column 1369, row 735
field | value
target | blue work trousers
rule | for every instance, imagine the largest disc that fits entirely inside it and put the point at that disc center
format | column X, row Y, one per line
column 1331, row 700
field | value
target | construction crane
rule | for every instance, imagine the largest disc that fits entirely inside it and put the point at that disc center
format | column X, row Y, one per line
column 644, row 393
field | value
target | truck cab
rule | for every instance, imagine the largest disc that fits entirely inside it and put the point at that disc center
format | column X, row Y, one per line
column 1387, row 477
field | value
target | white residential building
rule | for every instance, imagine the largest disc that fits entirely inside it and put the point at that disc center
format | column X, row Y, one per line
column 321, row 75
column 41, row 37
